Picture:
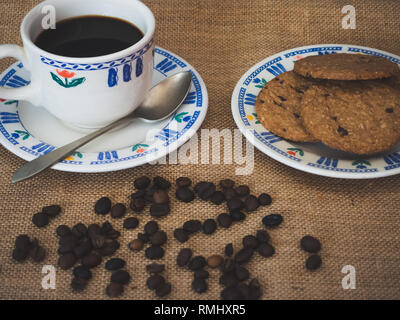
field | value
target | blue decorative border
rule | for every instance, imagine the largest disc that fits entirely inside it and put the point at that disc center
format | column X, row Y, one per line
column 97, row 66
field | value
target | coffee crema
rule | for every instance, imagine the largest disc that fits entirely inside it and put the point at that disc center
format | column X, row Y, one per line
column 89, row 36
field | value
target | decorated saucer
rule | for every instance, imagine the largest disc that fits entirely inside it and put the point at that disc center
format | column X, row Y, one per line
column 309, row 157
column 29, row 131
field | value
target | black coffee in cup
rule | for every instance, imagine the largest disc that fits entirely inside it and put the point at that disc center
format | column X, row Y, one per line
column 89, row 36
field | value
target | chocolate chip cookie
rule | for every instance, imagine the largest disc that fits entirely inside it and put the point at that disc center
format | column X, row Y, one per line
column 361, row 117
column 278, row 107
column 344, row 66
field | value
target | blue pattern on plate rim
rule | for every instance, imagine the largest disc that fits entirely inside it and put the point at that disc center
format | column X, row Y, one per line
column 248, row 92
column 166, row 136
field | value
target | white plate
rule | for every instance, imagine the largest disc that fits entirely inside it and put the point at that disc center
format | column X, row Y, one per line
column 30, row 132
column 310, row 157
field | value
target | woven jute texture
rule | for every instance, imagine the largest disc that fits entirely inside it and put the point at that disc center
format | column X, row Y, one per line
column 358, row 222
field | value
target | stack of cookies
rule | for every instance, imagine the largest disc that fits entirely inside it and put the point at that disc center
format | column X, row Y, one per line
column 349, row 102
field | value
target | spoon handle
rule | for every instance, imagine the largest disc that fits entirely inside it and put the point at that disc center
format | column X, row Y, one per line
column 32, row 168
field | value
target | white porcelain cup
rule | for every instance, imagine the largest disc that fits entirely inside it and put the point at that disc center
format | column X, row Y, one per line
column 85, row 92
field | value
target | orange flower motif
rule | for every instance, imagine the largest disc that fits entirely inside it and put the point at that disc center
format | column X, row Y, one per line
column 66, row 74
column 292, row 153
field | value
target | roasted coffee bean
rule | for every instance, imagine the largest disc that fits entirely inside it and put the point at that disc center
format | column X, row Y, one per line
column 160, row 197
column 242, row 191
column 154, row 252
column 244, row 255
column 230, row 194
column 310, row 244
column 200, row 186
column 114, row 290
column 159, row 210
column 254, row 290
column 37, row 253
column 22, row 242
column 241, row 273
column 149, row 194
column 184, row 194
column 159, row 238
column 102, row 206
column 40, row 220
column 79, row 230
column 228, row 279
column 244, row 290
column 118, row 210
column 262, row 236
column 199, row 285
column 202, row 274
column 131, row 223
column 52, row 211
column 266, row 250
column 136, row 245
column 235, row 204
column 155, row 268
column 120, row 276
column 217, row 197
column 209, row 226
column 68, row 243
column 97, row 240
column 155, row 281
column 183, row 182
column 313, row 262
column 197, row 263
column 192, row 226
column 92, row 260
column 184, row 257
column 164, row 290
column 272, row 220
column 250, row 241
column 231, row 293
column 144, row 237
column 151, row 227
column 67, row 261
column 83, row 249
column 63, row 230
column 215, row 261
column 142, row 183
column 82, row 272
column 113, row 234
column 227, row 184
column 181, row 235
column 109, row 248
column 115, row 264
column 138, row 194
column 224, row 220
column 137, row 205
column 94, row 229
column 251, row 203
column 207, row 191
column 78, row 284
column 237, row 215
column 20, row 255
column 105, row 228
column 264, row 199
column 227, row 266
column 229, row 250
column 161, row 183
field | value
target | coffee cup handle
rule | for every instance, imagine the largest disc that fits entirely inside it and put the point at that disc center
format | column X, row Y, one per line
column 24, row 93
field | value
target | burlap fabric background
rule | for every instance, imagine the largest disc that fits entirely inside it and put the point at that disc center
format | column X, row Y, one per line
column 357, row 222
